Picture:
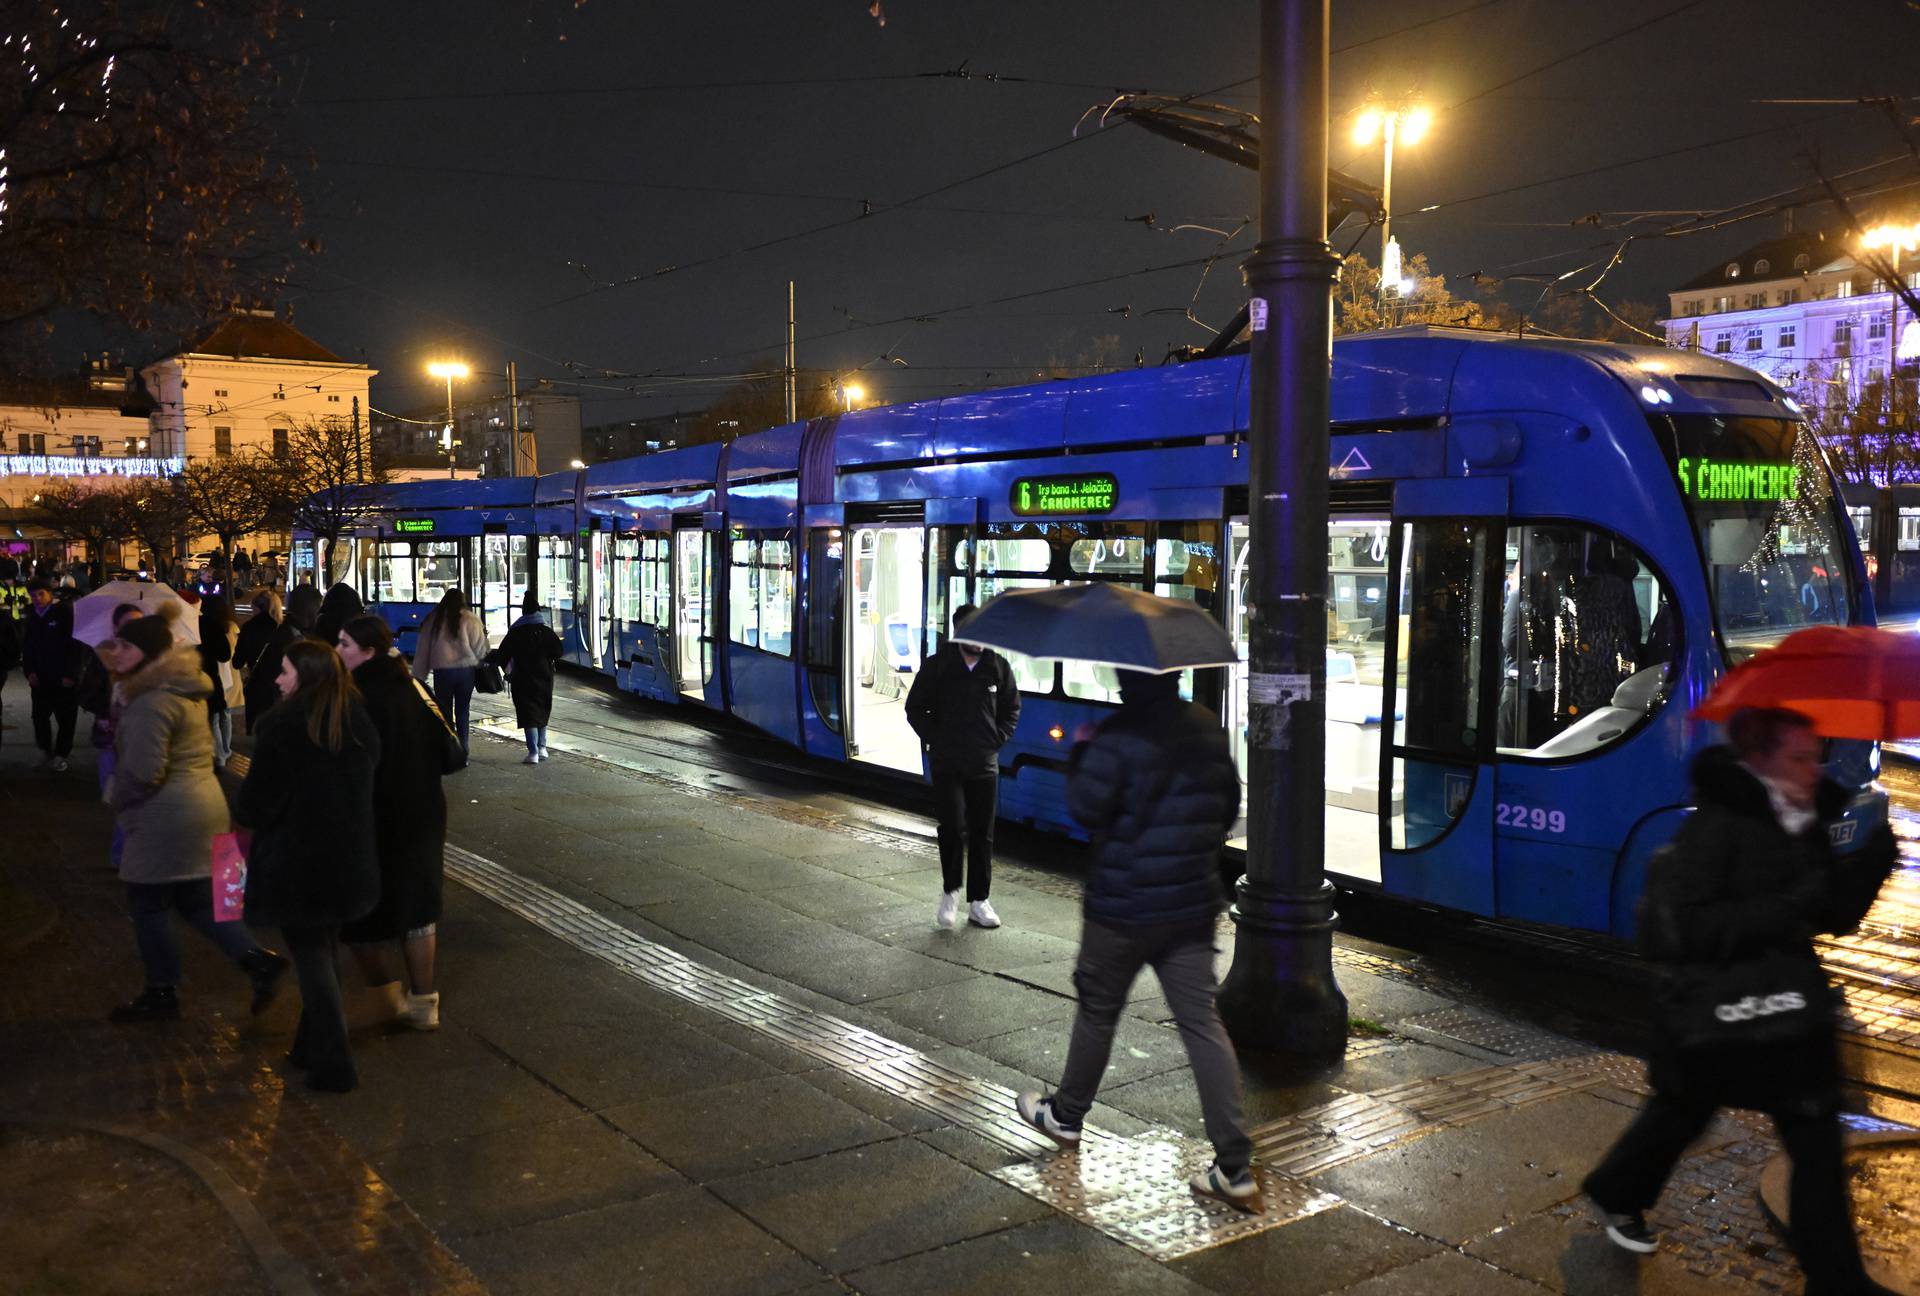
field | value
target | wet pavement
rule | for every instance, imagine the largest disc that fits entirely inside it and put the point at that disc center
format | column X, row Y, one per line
column 701, row 1036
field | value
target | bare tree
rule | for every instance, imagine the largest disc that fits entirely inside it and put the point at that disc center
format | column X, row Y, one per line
column 1872, row 437
column 755, row 404
column 324, row 483
column 95, row 511
column 229, row 497
column 138, row 180
column 158, row 518
column 1358, row 306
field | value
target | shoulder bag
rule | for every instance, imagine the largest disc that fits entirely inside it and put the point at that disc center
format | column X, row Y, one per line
column 453, row 756
column 1777, row 997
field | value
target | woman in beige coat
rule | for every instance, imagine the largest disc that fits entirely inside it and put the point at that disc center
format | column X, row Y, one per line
column 452, row 641
column 169, row 807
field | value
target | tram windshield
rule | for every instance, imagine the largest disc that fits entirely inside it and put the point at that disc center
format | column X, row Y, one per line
column 1764, row 509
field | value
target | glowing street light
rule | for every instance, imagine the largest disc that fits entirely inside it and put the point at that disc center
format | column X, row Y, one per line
column 1406, row 123
column 852, row 394
column 448, row 369
column 576, row 464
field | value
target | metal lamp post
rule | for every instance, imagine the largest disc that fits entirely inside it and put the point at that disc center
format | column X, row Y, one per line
column 1280, row 993
column 1407, row 124
column 449, row 369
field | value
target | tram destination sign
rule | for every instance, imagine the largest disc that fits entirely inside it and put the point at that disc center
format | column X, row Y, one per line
column 1080, row 493
column 1713, row 479
column 413, row 526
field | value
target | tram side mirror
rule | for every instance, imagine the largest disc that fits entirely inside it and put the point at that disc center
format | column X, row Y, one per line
column 1732, row 541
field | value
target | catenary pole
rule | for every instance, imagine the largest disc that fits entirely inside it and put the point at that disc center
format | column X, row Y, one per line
column 1280, row 993
column 793, row 376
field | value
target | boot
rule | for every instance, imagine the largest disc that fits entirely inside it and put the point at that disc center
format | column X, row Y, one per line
column 422, row 1011
column 265, row 969
column 376, row 1006
column 155, row 1003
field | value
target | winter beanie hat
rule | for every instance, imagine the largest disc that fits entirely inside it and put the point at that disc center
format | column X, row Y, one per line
column 151, row 635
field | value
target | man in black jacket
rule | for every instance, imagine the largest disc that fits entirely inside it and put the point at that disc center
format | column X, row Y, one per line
column 50, row 659
column 1747, row 883
column 1157, row 788
column 964, row 706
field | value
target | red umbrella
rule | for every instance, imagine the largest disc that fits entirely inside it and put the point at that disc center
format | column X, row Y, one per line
column 1851, row 681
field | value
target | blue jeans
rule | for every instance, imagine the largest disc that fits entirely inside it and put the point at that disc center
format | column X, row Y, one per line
column 453, row 690
column 153, row 905
column 536, row 739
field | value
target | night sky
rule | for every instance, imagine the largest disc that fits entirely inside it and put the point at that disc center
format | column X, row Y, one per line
column 484, row 169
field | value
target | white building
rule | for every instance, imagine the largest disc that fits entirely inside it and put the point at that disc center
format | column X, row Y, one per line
column 245, row 384
column 1801, row 310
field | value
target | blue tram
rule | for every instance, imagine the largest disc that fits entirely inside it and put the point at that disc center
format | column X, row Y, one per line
column 1540, row 555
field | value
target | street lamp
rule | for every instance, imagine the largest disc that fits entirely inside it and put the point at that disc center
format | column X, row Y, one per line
column 576, row 464
column 1406, row 123
column 448, row 369
column 852, row 394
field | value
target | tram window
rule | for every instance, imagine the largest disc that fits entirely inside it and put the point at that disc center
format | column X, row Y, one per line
column 743, row 594
column 1862, row 519
column 1909, row 530
column 393, row 572
column 626, row 584
column 1586, row 637
column 760, row 595
column 1123, row 554
column 1026, row 549
column 556, row 572
column 436, row 569
column 936, row 607
column 654, row 575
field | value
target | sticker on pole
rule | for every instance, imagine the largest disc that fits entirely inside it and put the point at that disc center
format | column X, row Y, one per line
column 1270, row 710
column 1257, row 314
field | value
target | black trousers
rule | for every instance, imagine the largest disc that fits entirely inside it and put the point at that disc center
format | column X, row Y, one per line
column 1631, row 1177
column 966, row 807
column 320, row 1041
column 54, row 705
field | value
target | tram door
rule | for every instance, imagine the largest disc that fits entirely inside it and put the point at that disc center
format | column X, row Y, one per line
column 1448, row 575
column 599, row 604
column 885, row 583
column 492, row 590
column 692, row 607
column 1357, row 569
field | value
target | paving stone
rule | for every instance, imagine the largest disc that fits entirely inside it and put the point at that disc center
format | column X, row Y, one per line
column 397, row 1107
column 682, row 1242
column 736, row 1128
column 973, row 1009
column 1171, row 1099
column 1570, row 1254
column 999, row 950
column 1384, row 999
column 1397, row 1062
column 1463, row 1182
column 1140, row 1049
column 1046, row 1258
column 1320, row 1253
column 623, row 1054
column 495, row 1181
column 1446, row 1274
column 838, row 899
column 852, row 1209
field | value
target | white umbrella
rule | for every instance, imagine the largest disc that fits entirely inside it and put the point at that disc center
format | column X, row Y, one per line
column 93, row 615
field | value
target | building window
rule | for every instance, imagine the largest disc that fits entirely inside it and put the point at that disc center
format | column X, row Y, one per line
column 280, row 394
column 1843, row 333
column 1879, row 285
column 1733, row 270
column 1843, row 289
column 1722, row 343
column 1756, row 301
column 1753, row 340
column 1876, row 371
column 1691, row 306
column 280, row 447
column 1801, row 262
column 1788, row 335
column 1788, row 296
column 1877, row 328
column 334, row 399
column 222, row 442
column 217, row 391
column 1761, row 266
column 1722, row 304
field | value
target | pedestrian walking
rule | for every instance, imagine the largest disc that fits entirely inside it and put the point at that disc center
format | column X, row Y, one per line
column 9, row 643
column 409, row 829
column 527, row 655
column 98, row 693
column 263, row 679
column 1731, row 908
column 257, row 630
column 341, row 605
column 218, row 634
column 312, row 863
column 964, row 705
column 50, row 658
column 452, row 641
column 1156, row 787
column 168, row 807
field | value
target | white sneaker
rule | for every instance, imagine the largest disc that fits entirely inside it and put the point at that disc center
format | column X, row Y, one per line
column 532, row 758
column 980, row 913
column 1038, row 1112
column 544, row 753
column 59, row 765
column 422, row 1012
column 949, row 909
column 1242, row 1193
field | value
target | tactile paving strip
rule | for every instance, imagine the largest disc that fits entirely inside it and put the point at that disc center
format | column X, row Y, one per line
column 1132, row 1189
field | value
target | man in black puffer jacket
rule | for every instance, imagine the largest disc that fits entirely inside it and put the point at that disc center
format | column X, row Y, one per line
column 1751, row 875
column 1157, row 788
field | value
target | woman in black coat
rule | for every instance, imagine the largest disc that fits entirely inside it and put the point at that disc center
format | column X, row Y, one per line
column 409, row 827
column 311, row 865
column 218, row 637
column 263, row 681
column 341, row 604
column 527, row 655
column 1747, row 884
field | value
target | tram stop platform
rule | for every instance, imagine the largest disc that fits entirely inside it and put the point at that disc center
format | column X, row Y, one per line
column 699, row 1036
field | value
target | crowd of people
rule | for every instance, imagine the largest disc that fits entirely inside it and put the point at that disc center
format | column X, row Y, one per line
column 341, row 817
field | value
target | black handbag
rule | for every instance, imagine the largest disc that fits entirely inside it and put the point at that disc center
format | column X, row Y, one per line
column 453, row 757
column 1775, row 998
column 487, row 677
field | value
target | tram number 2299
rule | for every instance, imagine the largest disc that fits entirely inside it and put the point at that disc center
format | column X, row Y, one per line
column 1519, row 816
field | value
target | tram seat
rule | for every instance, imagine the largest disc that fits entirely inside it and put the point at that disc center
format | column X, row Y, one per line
column 1632, row 700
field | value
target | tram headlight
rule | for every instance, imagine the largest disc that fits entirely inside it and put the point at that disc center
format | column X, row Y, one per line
column 1650, row 394
column 1873, row 760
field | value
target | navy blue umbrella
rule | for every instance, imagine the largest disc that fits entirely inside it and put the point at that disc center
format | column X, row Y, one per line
column 1109, row 625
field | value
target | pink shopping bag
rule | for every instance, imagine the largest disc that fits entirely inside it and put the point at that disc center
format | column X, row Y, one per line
column 229, row 878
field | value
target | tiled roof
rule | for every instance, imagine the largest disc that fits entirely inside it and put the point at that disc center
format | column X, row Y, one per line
column 1819, row 247
column 262, row 336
